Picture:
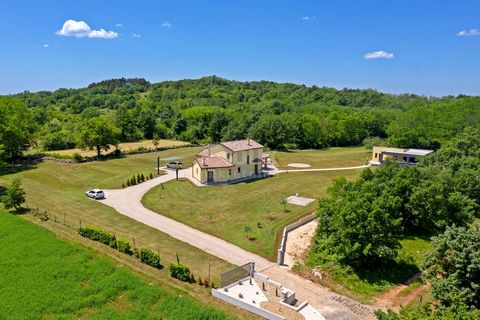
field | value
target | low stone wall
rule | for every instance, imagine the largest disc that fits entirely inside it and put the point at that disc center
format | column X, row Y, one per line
column 286, row 230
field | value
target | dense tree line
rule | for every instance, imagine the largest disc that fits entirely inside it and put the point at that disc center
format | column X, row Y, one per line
column 362, row 222
column 211, row 109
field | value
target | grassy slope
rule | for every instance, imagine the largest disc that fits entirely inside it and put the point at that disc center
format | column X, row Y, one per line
column 42, row 277
column 326, row 158
column 59, row 189
column 224, row 211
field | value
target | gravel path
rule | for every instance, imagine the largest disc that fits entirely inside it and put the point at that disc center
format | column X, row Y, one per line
column 128, row 202
column 323, row 169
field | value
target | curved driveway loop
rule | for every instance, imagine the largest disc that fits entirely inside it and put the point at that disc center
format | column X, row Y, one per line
column 128, row 202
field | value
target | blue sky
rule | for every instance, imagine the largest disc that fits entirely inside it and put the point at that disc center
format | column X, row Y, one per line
column 415, row 46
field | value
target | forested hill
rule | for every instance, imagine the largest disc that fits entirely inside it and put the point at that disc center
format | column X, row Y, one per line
column 212, row 109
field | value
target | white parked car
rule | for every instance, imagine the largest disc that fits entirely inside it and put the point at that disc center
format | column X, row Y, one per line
column 95, row 194
column 174, row 165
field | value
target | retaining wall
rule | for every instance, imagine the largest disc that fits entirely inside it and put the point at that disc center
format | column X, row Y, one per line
column 286, row 230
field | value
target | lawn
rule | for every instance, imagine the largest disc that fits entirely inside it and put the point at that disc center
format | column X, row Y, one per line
column 43, row 277
column 60, row 189
column 125, row 147
column 326, row 158
column 249, row 214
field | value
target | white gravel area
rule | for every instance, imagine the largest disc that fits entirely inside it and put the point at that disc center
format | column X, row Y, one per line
column 299, row 201
column 298, row 165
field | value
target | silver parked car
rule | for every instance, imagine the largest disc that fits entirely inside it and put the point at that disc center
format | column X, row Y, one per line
column 175, row 165
column 95, row 194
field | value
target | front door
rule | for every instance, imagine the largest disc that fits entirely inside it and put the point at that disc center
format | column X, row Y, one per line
column 209, row 176
column 256, row 169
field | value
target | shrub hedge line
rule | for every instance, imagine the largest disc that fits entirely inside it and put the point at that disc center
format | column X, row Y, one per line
column 145, row 255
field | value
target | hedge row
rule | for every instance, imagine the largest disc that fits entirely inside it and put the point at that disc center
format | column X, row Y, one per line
column 105, row 237
column 145, row 255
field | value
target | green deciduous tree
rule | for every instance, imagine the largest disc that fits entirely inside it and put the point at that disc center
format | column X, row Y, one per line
column 98, row 134
column 16, row 126
column 356, row 226
column 14, row 196
column 453, row 265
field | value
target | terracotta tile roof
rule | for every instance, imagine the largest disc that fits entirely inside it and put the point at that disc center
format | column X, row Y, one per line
column 204, row 153
column 240, row 145
column 213, row 162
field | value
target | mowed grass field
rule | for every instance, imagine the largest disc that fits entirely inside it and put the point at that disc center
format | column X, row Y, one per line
column 250, row 214
column 325, row 158
column 125, row 147
column 60, row 189
column 43, row 277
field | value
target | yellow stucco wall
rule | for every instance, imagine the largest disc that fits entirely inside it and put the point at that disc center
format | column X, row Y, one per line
column 239, row 159
column 377, row 150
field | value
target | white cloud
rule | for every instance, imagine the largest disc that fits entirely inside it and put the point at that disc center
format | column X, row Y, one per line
column 469, row 33
column 119, row 25
column 308, row 18
column 136, row 35
column 378, row 55
column 166, row 24
column 81, row 29
column 46, row 45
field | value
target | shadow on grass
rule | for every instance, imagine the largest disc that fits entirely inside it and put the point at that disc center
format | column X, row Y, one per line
column 398, row 271
column 17, row 168
column 21, row 211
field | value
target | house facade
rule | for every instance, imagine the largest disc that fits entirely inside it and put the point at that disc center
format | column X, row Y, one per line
column 228, row 162
column 403, row 156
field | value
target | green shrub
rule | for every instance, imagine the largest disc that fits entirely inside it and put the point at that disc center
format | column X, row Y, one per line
column 149, row 257
column 98, row 235
column 151, row 175
column 77, row 157
column 180, row 272
column 124, row 246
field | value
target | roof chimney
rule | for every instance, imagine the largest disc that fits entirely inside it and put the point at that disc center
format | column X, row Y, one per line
column 248, row 141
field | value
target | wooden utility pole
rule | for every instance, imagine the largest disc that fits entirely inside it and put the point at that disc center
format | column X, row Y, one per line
column 176, row 172
column 158, row 166
column 209, row 273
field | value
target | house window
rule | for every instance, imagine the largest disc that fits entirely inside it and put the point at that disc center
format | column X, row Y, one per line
column 228, row 156
column 248, row 159
column 376, row 155
column 238, row 170
column 229, row 172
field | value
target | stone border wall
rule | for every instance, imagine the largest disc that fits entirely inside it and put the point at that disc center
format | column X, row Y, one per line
column 286, row 230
